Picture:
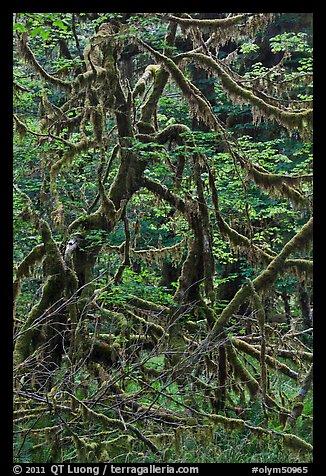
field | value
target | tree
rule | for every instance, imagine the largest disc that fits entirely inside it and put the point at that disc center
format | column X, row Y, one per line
column 104, row 348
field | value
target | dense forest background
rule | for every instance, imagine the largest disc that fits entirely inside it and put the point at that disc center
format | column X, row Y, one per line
column 162, row 237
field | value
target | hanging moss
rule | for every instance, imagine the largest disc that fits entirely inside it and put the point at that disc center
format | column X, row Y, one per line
column 266, row 278
column 301, row 266
column 87, row 452
column 21, row 128
column 29, row 57
column 302, row 120
column 97, row 118
column 198, row 103
column 73, row 150
column 209, row 24
column 278, row 185
column 156, row 255
column 57, row 214
column 25, row 268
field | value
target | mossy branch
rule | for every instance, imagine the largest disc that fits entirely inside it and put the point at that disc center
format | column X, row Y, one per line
column 115, row 422
column 210, row 24
column 25, row 268
column 53, row 289
column 160, row 79
column 291, row 441
column 148, row 75
column 165, row 193
column 302, row 120
column 266, row 278
column 277, row 184
column 198, row 103
column 29, row 57
column 270, row 361
column 241, row 372
column 258, row 305
column 299, row 399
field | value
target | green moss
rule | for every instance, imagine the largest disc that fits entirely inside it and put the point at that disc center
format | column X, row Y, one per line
column 149, row 73
column 270, row 361
column 297, row 444
column 25, row 268
column 26, row 52
column 301, row 120
column 210, row 24
column 228, row 423
column 242, row 373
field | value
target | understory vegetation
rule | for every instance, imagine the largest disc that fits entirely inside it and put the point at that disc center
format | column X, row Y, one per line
column 163, row 237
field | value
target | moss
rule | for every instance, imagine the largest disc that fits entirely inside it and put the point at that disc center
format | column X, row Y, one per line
column 278, row 185
column 117, row 318
column 28, row 55
column 54, row 287
column 149, row 73
column 53, row 263
column 242, row 373
column 21, row 128
column 29, row 334
column 270, row 361
column 145, row 128
column 156, row 255
column 25, row 268
column 302, row 120
column 97, row 118
column 177, row 345
column 108, row 353
column 163, row 192
column 192, row 274
column 172, row 133
column 298, row 403
column 107, row 421
column 228, row 423
column 209, row 24
column 154, row 329
column 295, row 443
column 198, row 103
column 301, row 266
column 68, row 156
column 150, row 105
column 230, row 309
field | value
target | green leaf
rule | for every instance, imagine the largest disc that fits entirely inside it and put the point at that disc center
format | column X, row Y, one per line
column 60, row 24
column 19, row 27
